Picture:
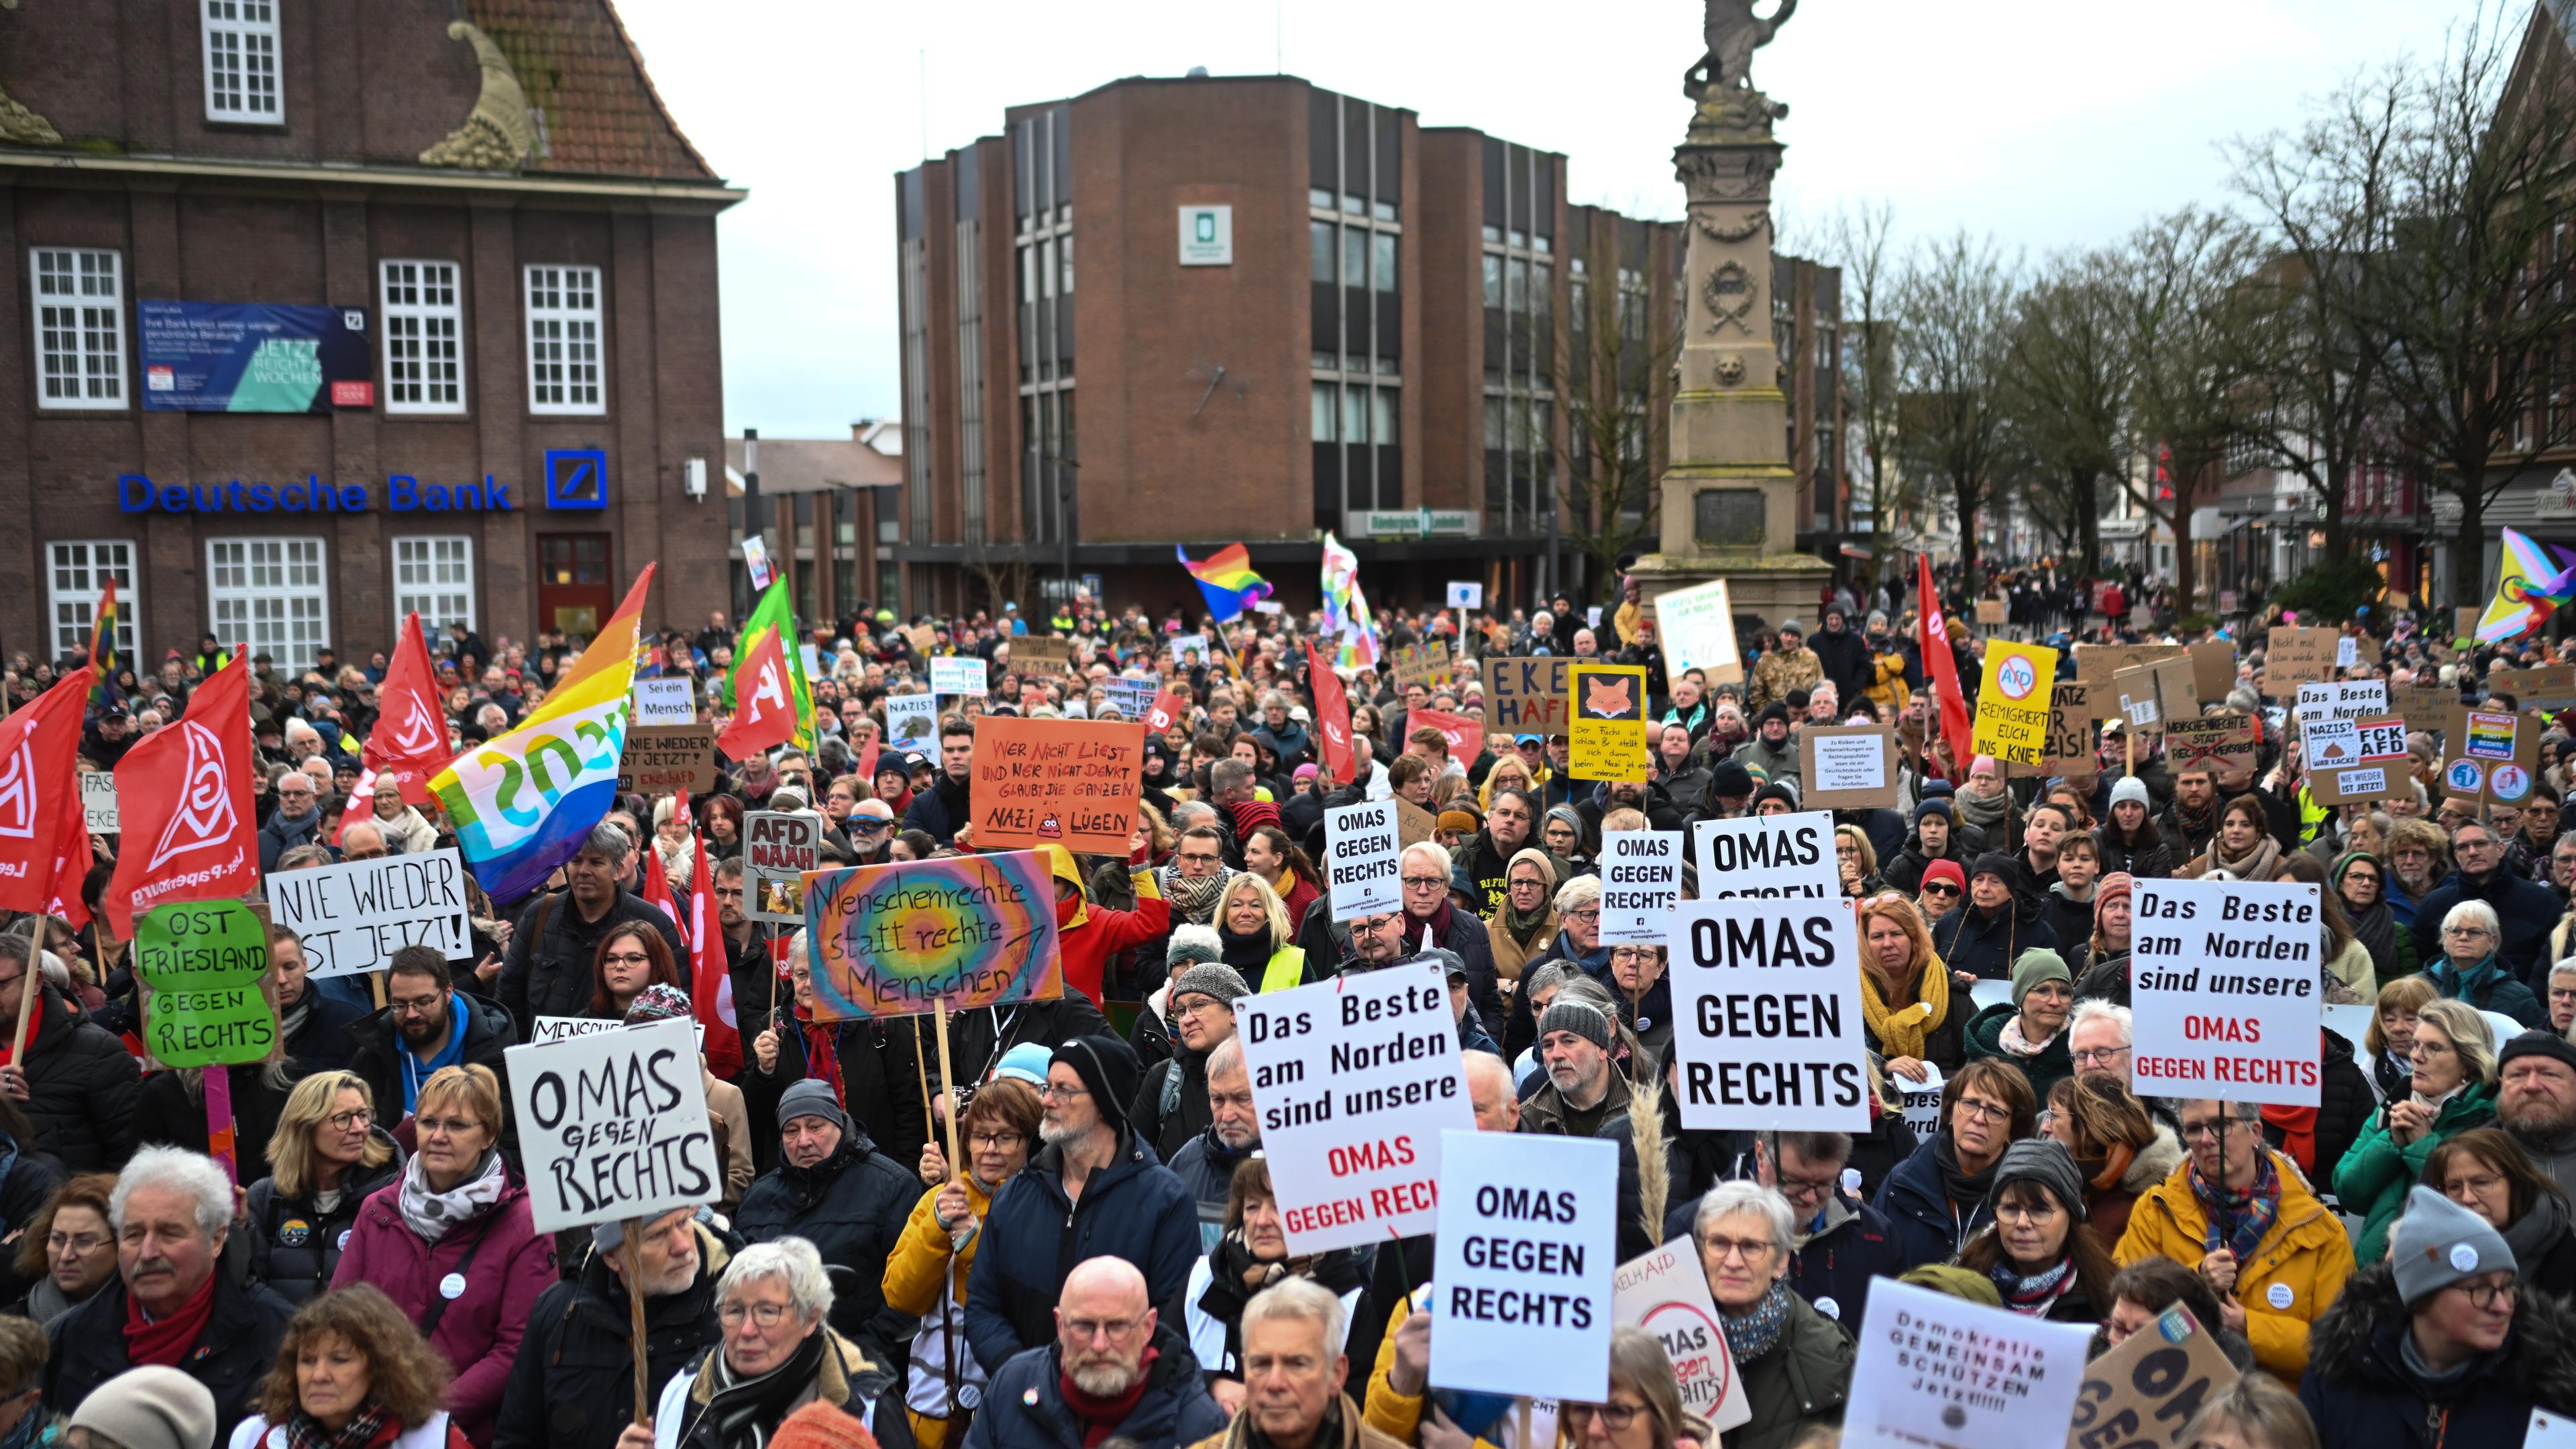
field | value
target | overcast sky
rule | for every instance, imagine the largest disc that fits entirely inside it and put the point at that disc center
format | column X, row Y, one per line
column 2045, row 123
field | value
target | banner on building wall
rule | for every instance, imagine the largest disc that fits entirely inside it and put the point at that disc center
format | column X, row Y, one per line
column 254, row 357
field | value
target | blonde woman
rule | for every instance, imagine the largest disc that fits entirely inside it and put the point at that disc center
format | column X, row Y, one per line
column 1906, row 1002
column 1253, row 926
column 2452, row 1089
column 326, row 1156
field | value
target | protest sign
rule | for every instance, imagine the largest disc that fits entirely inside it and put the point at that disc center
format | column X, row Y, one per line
column 98, row 802
column 1423, row 664
column 2342, row 699
column 1522, row 1295
column 1468, row 595
column 2293, row 656
column 918, row 935
column 2152, row 1385
column 2550, row 1431
column 1463, row 732
column 1132, row 698
column 1697, row 626
column 2216, row 742
column 2464, row 623
column 1767, row 856
column 1185, row 645
column 354, row 915
column 613, row 1125
column 2372, row 769
column 1413, row 824
column 953, row 674
column 778, row 847
column 923, row 639
column 2074, row 731
column 1766, row 1016
column 1606, row 709
column 544, row 1029
column 2550, row 688
column 1525, row 696
column 1073, row 783
column 912, row 721
column 1361, row 859
column 1038, row 658
column 1665, row 1292
column 1990, row 611
column 2013, row 702
column 1922, row 1102
column 668, row 760
column 2347, row 652
column 2213, row 670
column 1169, row 708
column 1988, row 1378
column 1641, row 883
column 663, row 700
column 2330, row 743
column 2489, row 753
column 1355, row 1081
column 2096, row 663
column 1847, row 767
column 2154, row 694
column 203, row 961
column 2224, row 984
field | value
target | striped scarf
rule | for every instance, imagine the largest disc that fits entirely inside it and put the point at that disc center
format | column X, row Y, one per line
column 2238, row 1221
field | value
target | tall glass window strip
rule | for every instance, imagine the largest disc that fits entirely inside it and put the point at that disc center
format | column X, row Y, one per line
column 563, row 340
column 241, row 61
column 1042, row 205
column 80, row 327
column 424, row 338
column 1354, row 232
column 435, row 576
column 1519, row 220
column 268, row 593
column 76, row 574
column 970, row 376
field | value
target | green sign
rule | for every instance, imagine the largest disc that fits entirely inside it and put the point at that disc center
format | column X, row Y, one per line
column 202, row 960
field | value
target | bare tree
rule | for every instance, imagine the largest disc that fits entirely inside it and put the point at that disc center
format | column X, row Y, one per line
column 1955, row 312
column 1004, row 571
column 1613, row 358
column 1858, row 240
column 2189, row 401
column 2067, row 376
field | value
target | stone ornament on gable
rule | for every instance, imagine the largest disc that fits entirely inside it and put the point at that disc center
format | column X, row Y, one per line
column 498, row 135
column 17, row 123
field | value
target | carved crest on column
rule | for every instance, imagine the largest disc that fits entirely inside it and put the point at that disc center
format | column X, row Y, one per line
column 1728, row 293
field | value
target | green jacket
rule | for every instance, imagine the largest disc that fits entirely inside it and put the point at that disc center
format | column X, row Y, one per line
column 1985, row 1038
column 2373, row 1177
column 1800, row 1384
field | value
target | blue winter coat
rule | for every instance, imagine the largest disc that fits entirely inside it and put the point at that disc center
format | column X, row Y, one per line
column 2361, row 1394
column 1024, row 1407
column 2526, row 908
column 1917, row 1207
column 1135, row 1208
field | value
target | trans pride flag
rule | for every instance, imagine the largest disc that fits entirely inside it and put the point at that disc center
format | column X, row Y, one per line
column 2531, row 582
column 524, row 803
column 1226, row 577
column 1346, row 610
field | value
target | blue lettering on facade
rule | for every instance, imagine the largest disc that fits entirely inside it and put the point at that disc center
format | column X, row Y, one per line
column 403, row 493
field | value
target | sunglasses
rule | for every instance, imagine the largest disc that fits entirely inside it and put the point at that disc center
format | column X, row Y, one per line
column 1937, row 888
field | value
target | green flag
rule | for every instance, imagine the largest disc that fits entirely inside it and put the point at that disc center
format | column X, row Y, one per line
column 775, row 614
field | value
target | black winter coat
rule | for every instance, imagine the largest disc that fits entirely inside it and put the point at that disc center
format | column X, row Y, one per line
column 380, row 1052
column 321, row 1041
column 82, row 1089
column 166, row 1114
column 1916, row 1203
column 294, row 1247
column 548, row 970
column 27, row 1179
column 2527, row 910
column 880, row 1086
column 2360, row 1394
column 1135, row 1208
column 1024, row 1408
column 977, row 1040
column 2344, row 1105
column 86, row 1348
column 573, row 1383
column 2146, row 862
column 1181, row 1082
column 1969, row 941
column 851, row 1206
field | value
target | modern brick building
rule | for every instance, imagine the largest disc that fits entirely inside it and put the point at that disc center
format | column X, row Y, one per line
column 326, row 312
column 1292, row 312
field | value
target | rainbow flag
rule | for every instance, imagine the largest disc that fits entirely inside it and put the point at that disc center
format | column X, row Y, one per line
column 1346, row 610
column 1226, row 577
column 775, row 614
column 524, row 803
column 102, row 646
column 2532, row 581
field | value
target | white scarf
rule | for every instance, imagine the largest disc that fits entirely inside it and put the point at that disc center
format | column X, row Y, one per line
column 433, row 1215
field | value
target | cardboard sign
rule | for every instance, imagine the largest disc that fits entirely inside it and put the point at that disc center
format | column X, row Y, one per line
column 1361, row 860
column 2153, row 695
column 668, row 760
column 1042, row 658
column 203, row 961
column 663, row 700
column 1185, row 645
column 2213, row 670
column 1525, row 696
column 1356, row 1080
column 2292, row 657
column 2219, row 742
column 2096, row 663
column 1468, row 595
column 1423, row 664
column 912, row 721
column 2464, row 623
column 1990, row 611
column 1767, row 857
column 2342, row 699
column 354, row 915
column 953, row 674
column 613, row 1125
column 1665, row 1292
column 1606, row 710
column 1132, row 698
column 2330, row 744
column 2224, row 981
column 1413, row 824
column 2074, row 732
column 1697, row 627
column 98, row 801
column 903, row 938
column 1073, row 783
column 2490, row 754
column 1766, row 1016
column 1641, row 883
column 2147, row 1390
column 2429, row 705
column 1847, row 767
column 923, row 639
column 778, row 848
column 1989, row 1378
column 1522, row 1295
column 2371, row 772
column 2551, row 688
column 2013, row 702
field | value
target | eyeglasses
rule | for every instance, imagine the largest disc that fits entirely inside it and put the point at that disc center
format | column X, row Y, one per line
column 1199, row 857
column 1616, row 1415
column 1984, row 1111
column 2475, row 1186
column 2212, row 1130
column 1804, row 1189
column 1631, row 955
column 2466, row 933
column 1529, row 885
column 1750, row 1251
column 626, row 958
column 2484, row 1295
column 355, row 1117
column 1062, row 1094
column 867, row 824
column 767, row 1315
column 451, row 1126
column 416, row 1005
column 1426, row 882
column 2100, row 1056
column 81, row 1243
column 2026, row 1213
column 1584, row 913
column 994, row 1141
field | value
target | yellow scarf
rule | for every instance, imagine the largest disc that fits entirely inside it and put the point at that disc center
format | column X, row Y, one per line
column 1901, row 1033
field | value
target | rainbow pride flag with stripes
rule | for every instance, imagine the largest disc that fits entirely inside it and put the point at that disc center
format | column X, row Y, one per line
column 1227, row 579
column 2533, row 580
column 524, row 803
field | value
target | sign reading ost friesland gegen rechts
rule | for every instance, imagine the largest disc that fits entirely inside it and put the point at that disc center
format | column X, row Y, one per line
column 2224, row 981
column 1767, row 856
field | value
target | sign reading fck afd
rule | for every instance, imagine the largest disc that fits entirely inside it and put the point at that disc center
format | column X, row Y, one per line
column 403, row 493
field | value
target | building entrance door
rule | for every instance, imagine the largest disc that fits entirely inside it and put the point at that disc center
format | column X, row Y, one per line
column 572, row 582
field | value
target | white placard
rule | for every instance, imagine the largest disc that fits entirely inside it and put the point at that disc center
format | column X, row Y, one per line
column 614, row 1125
column 1665, row 1292
column 1466, row 595
column 1696, row 626
column 98, row 802
column 2382, row 739
column 1522, row 1280
column 544, row 1029
column 2347, row 653
column 1355, row 1080
column 1987, row 1378
column 912, row 721
column 664, row 700
column 1362, row 859
column 1922, row 1102
column 812, row 656
column 1767, row 856
column 2223, row 978
column 2331, row 744
column 2549, row 1431
column 755, row 558
column 2342, row 699
column 1641, row 883
column 778, row 848
column 354, row 915
column 1182, row 644
column 1766, row 1016
column 955, row 674
column 1849, row 762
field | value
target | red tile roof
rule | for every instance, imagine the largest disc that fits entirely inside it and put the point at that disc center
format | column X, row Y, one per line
column 586, row 80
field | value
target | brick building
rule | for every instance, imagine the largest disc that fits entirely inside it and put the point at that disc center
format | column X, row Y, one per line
column 1294, row 311
column 326, row 312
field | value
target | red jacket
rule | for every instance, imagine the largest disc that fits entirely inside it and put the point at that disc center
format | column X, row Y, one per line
column 1088, row 934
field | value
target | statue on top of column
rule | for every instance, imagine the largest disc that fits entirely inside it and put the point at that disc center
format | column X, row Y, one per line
column 1733, row 33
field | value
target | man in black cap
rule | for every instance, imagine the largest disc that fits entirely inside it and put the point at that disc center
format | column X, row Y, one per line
column 2536, row 1101
column 1092, row 1191
column 1770, row 751
column 1729, row 786
column 1584, row 1088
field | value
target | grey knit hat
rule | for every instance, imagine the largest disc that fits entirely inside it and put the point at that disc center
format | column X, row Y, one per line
column 150, row 1408
column 811, row 1098
column 2438, row 1243
column 1191, row 944
column 1579, row 1017
column 2044, row 1161
column 1212, row 979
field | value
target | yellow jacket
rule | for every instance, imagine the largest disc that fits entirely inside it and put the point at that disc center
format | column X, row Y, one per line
column 912, row 1269
column 2297, row 1271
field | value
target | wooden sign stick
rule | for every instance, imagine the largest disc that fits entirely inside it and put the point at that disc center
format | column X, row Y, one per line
column 635, row 1320
column 947, row 1078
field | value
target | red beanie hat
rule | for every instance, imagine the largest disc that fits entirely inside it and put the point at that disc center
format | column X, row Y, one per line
column 1946, row 870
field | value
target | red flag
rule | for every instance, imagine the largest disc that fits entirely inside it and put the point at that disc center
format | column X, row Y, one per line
column 867, row 771
column 710, row 982
column 72, row 863
column 183, row 796
column 1460, row 731
column 1933, row 634
column 409, row 740
column 766, row 713
column 1167, row 710
column 360, row 807
column 1332, row 718
column 657, row 888
column 39, row 755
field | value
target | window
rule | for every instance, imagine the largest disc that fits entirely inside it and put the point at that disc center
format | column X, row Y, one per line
column 424, row 330
column 1354, row 257
column 1325, row 414
column 1064, row 265
column 1319, row 249
column 267, row 593
column 1382, row 274
column 80, row 327
column 241, row 61
column 1355, row 423
column 563, row 341
column 77, row 573
column 1493, row 281
column 436, row 577
column 1382, row 416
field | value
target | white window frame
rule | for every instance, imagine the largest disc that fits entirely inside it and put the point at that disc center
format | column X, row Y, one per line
column 263, row 591
column 567, row 371
column 245, row 72
column 417, row 564
column 75, row 575
column 79, row 317
column 424, row 335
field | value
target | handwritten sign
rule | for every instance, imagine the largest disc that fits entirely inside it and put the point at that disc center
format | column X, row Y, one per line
column 1665, row 1292
column 1848, row 767
column 1522, row 1274
column 1766, row 1016
column 2224, row 984
column 1606, row 705
column 664, row 700
column 778, row 848
column 2213, row 742
column 1362, row 859
column 543, row 1029
column 1990, row 1379
column 613, row 1125
column 955, row 674
column 1990, row 611
column 2073, row 729
column 202, row 961
column 354, row 915
column 1423, row 664
column 900, row 939
column 2293, row 656
column 668, row 760
column 2013, row 702
column 1073, row 783
column 2552, row 687
column 1042, row 658
column 2153, row 1385
column 98, row 802
column 1641, row 883
column 2335, row 699
column 1526, row 696
column 1697, row 626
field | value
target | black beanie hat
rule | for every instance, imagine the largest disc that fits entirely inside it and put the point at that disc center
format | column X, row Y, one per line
column 1109, row 1068
column 1933, row 807
column 1729, row 779
column 1774, row 710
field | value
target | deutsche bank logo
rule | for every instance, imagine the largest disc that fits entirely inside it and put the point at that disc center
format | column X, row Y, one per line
column 576, row 478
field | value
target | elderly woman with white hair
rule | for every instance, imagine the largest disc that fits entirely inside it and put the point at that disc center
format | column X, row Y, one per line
column 1796, row 1362
column 2471, row 970
column 777, row 1355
